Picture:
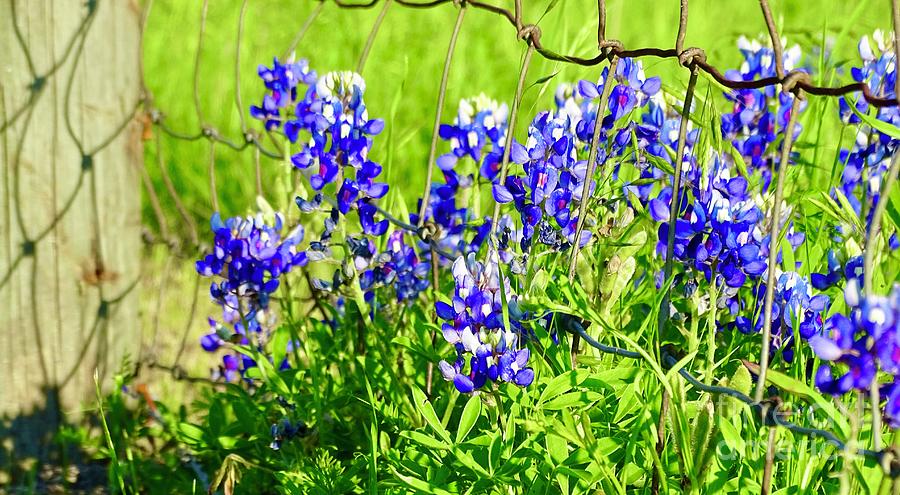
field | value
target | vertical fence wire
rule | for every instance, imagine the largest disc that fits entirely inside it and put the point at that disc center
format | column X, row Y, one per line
column 504, row 164
column 370, row 41
column 586, row 187
column 426, row 191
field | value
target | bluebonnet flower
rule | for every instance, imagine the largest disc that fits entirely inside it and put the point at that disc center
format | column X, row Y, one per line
column 285, row 430
column 796, row 313
column 823, row 281
column 878, row 71
column 332, row 117
column 759, row 116
column 655, row 138
column 639, row 142
column 486, row 350
column 249, row 256
column 867, row 161
column 718, row 233
column 578, row 105
column 633, row 88
column 450, row 219
column 239, row 330
column 479, row 132
column 862, row 343
column 548, row 195
column 233, row 326
column 282, row 81
column 398, row 266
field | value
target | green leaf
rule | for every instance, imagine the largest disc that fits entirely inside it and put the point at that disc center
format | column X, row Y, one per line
column 228, row 442
column 731, row 435
column 562, row 383
column 495, row 451
column 570, row 399
column 191, row 434
column 804, row 391
column 469, row 416
column 544, row 79
column 893, row 208
column 425, row 440
column 787, row 252
column 618, row 274
column 557, row 447
column 416, row 348
column 427, row 410
column 879, row 125
column 419, row 485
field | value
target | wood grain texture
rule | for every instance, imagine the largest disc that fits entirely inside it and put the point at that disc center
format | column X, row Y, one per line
column 83, row 221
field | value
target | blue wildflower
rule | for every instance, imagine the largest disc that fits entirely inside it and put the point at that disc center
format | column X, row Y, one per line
column 486, row 350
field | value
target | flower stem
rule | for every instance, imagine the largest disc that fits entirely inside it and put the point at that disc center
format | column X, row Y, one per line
column 774, row 235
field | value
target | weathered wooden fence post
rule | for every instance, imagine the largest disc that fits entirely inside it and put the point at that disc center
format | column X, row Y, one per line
column 69, row 207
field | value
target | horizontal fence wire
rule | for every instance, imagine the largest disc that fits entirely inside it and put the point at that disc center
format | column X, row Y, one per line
column 609, row 50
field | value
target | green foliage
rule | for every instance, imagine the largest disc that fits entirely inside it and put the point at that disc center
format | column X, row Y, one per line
column 359, row 389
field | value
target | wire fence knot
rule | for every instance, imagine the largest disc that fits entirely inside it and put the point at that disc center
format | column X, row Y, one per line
column 610, row 47
column 792, row 80
column 889, row 461
column 428, row 232
column 769, row 408
column 210, row 132
column 530, row 33
column 691, row 56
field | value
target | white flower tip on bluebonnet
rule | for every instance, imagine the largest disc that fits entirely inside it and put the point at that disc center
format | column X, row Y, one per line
column 462, row 276
column 495, row 114
column 874, row 184
column 564, row 91
column 744, row 43
column 338, row 84
column 884, row 41
column 789, row 280
column 851, row 292
column 792, row 58
column 447, row 370
column 865, row 49
column 469, row 340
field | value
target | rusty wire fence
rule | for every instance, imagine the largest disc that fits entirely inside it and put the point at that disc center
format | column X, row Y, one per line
column 265, row 145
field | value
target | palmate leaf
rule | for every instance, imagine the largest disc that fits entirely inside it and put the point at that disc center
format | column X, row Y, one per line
column 420, row 486
column 561, row 384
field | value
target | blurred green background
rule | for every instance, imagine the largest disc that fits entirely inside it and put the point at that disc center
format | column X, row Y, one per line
column 406, row 62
